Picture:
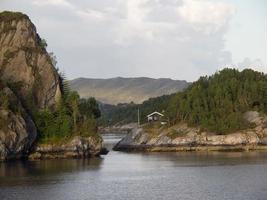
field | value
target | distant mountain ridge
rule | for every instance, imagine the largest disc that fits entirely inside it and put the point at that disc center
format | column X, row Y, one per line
column 126, row 90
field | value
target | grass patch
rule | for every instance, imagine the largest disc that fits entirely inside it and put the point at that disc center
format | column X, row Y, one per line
column 55, row 140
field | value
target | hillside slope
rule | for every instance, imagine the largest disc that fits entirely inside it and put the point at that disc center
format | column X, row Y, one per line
column 126, row 90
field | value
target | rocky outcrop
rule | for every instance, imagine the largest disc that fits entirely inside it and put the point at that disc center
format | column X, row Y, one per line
column 182, row 137
column 78, row 147
column 17, row 130
column 24, row 62
column 29, row 83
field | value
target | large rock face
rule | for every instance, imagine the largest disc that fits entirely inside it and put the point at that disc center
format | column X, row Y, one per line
column 182, row 137
column 28, row 82
column 24, row 61
column 17, row 130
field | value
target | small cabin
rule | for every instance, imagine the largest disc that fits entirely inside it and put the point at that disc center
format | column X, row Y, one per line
column 154, row 117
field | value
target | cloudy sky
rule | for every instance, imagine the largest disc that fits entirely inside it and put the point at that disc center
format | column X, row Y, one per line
column 179, row 39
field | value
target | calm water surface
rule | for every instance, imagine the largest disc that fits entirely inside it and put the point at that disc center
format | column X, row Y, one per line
column 139, row 176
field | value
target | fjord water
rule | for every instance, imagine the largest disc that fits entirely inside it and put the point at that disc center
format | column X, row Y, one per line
column 134, row 176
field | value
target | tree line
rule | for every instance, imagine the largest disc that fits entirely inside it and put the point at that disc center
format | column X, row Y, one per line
column 71, row 116
column 214, row 103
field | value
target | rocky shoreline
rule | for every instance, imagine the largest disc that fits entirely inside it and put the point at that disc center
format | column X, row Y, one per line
column 184, row 138
column 78, row 147
column 176, row 148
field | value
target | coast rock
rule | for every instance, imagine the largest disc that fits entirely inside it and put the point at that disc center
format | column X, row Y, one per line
column 190, row 138
column 78, row 147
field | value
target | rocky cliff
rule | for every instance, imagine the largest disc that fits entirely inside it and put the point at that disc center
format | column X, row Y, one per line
column 17, row 130
column 181, row 137
column 29, row 83
column 24, row 62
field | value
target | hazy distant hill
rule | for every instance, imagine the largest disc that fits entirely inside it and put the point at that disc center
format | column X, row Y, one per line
column 126, row 90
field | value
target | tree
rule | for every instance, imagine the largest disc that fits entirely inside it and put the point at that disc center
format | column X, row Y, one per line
column 43, row 43
column 89, row 108
column 73, row 103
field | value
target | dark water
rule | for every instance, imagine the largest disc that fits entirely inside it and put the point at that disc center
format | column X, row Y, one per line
column 139, row 176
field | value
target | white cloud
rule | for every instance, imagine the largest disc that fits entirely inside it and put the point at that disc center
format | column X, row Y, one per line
column 155, row 38
column 64, row 3
column 206, row 15
column 255, row 64
column 91, row 14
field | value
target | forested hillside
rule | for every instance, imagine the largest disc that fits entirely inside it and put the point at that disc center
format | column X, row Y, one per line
column 215, row 103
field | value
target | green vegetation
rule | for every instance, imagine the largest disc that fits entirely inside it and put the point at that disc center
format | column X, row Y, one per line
column 43, row 43
column 126, row 113
column 216, row 103
column 72, row 116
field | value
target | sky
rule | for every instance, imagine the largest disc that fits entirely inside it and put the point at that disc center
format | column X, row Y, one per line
column 178, row 39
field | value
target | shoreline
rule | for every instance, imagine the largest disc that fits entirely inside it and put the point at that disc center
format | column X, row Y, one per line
column 179, row 148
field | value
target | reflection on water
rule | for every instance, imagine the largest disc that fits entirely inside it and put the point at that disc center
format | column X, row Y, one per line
column 118, row 175
column 14, row 173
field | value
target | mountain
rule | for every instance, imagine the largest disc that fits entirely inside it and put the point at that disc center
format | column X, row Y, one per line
column 126, row 90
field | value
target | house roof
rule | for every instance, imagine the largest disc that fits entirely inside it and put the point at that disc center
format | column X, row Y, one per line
column 155, row 113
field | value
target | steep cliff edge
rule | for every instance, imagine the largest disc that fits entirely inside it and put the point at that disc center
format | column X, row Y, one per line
column 24, row 62
column 181, row 137
column 30, row 89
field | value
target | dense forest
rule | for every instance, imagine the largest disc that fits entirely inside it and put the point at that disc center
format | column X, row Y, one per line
column 215, row 103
